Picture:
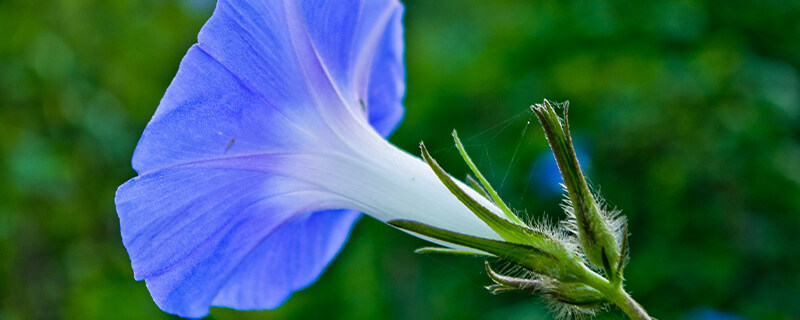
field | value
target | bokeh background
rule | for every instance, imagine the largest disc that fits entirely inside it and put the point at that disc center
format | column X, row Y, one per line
column 688, row 111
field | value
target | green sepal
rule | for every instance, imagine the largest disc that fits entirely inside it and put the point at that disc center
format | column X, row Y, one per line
column 506, row 229
column 488, row 187
column 575, row 294
column 526, row 256
column 475, row 185
column 506, row 283
column 624, row 254
column 607, row 265
column 440, row 250
column 571, row 293
column 597, row 240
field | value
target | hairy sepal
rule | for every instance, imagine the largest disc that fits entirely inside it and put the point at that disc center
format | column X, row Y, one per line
column 565, row 299
column 594, row 228
column 529, row 257
column 510, row 231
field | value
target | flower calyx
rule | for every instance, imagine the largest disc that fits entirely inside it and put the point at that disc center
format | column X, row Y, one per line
column 576, row 267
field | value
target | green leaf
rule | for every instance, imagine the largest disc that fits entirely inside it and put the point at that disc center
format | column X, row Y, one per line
column 497, row 200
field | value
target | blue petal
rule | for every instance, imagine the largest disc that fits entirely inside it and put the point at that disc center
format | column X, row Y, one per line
column 332, row 47
column 363, row 60
column 264, row 55
column 387, row 80
column 303, row 248
column 206, row 223
column 226, row 237
column 207, row 113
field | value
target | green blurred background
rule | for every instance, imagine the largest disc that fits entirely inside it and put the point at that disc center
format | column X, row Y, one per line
column 688, row 110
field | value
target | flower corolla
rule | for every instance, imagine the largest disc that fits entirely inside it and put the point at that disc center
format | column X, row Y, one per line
column 265, row 148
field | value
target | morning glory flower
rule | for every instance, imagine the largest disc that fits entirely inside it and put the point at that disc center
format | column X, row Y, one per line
column 264, row 149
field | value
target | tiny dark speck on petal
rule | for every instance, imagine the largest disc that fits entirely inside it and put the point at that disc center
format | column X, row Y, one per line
column 363, row 106
column 230, row 144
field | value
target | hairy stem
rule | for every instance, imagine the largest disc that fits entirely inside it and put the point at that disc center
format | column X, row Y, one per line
column 625, row 302
column 615, row 294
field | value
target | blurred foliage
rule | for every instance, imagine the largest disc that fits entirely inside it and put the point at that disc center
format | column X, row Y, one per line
column 689, row 111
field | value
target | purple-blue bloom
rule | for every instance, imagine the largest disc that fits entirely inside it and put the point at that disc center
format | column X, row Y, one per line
column 264, row 149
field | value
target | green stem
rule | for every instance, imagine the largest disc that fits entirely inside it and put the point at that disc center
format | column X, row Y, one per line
column 616, row 295
column 632, row 308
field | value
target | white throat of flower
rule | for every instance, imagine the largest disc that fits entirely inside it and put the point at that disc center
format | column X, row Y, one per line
column 368, row 174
